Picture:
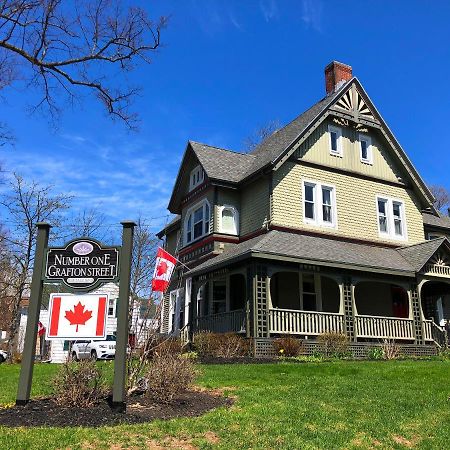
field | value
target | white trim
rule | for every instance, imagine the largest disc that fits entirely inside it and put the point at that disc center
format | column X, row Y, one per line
column 390, row 234
column 318, row 211
column 340, row 151
column 235, row 217
column 190, row 211
column 368, row 140
column 196, row 177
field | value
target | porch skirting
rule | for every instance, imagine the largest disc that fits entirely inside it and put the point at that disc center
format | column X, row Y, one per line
column 263, row 348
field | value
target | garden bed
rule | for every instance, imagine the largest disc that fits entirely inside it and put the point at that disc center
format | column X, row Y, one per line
column 140, row 409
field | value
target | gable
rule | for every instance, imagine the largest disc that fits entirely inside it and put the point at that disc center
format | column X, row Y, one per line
column 356, row 108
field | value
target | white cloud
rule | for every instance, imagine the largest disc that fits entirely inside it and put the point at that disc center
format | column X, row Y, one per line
column 269, row 9
column 312, row 14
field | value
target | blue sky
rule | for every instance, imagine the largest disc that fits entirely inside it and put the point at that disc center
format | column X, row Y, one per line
column 226, row 68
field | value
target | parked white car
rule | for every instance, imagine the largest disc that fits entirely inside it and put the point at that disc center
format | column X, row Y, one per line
column 89, row 349
column 3, row 356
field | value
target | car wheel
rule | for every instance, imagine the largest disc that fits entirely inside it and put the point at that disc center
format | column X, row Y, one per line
column 74, row 356
column 94, row 355
column 2, row 359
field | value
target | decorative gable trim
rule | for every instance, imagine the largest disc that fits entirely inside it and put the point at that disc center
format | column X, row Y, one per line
column 439, row 264
column 353, row 103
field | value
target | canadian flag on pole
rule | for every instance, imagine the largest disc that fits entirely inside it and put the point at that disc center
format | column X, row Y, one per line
column 165, row 263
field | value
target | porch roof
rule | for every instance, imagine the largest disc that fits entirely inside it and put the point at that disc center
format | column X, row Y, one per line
column 300, row 248
column 419, row 254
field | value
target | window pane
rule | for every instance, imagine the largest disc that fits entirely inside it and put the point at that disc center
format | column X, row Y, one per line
column 198, row 230
column 334, row 146
column 382, row 207
column 327, row 216
column 198, row 215
column 364, row 150
column 309, row 210
column 396, row 209
column 309, row 192
column 326, row 196
column 228, row 223
column 398, row 227
column 383, row 224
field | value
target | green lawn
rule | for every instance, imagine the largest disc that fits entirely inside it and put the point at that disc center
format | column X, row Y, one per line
column 399, row 404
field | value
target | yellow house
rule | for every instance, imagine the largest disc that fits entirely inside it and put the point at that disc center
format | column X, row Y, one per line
column 325, row 226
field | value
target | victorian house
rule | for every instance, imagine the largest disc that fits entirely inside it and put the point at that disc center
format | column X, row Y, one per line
column 325, row 226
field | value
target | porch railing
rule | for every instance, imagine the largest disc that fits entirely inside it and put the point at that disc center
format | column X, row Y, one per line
column 291, row 321
column 433, row 332
column 232, row 321
column 436, row 269
column 384, row 327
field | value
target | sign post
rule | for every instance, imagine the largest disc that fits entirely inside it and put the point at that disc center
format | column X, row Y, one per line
column 26, row 369
column 120, row 365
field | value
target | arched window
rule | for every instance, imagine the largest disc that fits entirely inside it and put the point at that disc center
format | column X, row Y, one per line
column 229, row 220
column 197, row 221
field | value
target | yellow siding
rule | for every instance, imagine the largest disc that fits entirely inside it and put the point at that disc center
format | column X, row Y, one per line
column 355, row 199
column 254, row 206
column 316, row 149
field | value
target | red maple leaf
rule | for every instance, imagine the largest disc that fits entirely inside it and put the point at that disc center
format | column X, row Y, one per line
column 161, row 269
column 78, row 316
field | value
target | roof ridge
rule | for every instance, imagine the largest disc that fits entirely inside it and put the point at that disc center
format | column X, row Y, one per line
column 443, row 238
column 221, row 148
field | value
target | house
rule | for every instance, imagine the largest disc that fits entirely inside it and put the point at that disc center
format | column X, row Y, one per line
column 325, row 226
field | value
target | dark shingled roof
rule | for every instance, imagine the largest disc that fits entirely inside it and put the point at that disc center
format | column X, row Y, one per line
column 176, row 219
column 269, row 150
column 315, row 249
column 221, row 164
column 228, row 165
column 434, row 221
column 419, row 254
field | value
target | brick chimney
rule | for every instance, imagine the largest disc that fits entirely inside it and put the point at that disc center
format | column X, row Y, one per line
column 336, row 74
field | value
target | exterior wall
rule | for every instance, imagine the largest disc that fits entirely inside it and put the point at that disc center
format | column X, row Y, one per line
column 316, row 149
column 355, row 199
column 171, row 244
column 254, row 206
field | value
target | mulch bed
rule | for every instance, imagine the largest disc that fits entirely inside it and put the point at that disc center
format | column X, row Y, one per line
column 45, row 412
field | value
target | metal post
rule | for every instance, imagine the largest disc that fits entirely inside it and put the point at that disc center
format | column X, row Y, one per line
column 120, row 361
column 29, row 350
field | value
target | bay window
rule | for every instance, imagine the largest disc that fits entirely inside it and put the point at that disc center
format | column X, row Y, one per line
column 319, row 204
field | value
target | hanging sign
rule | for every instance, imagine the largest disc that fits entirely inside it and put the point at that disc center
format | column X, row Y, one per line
column 77, row 316
column 82, row 264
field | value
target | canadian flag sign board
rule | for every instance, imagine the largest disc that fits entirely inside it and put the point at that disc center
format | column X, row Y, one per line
column 77, row 316
column 165, row 263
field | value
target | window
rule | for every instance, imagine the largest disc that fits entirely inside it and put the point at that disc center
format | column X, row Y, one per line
column 319, row 204
column 219, row 297
column 335, row 140
column 391, row 218
column 309, row 292
column 365, row 148
column 229, row 220
column 111, row 307
column 197, row 221
column 197, row 176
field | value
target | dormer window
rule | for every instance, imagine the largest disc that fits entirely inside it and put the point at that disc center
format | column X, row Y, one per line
column 197, row 222
column 335, row 134
column 365, row 149
column 229, row 220
column 196, row 178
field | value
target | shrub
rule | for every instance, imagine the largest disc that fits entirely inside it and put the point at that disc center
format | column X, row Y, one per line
column 334, row 344
column 390, row 349
column 375, row 353
column 288, row 346
column 216, row 345
column 79, row 384
column 163, row 346
column 168, row 376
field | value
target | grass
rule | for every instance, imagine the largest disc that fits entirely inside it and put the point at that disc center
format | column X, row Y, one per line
column 341, row 404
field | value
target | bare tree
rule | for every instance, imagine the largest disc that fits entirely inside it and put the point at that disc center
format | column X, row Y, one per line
column 442, row 197
column 89, row 222
column 26, row 204
column 260, row 135
column 60, row 49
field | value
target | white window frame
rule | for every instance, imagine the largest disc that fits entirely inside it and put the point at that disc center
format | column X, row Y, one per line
column 206, row 218
column 390, row 234
column 368, row 141
column 318, row 211
column 196, row 177
column 333, row 129
column 235, row 217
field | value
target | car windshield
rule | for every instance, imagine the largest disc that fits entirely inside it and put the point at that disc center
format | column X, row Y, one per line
column 110, row 338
